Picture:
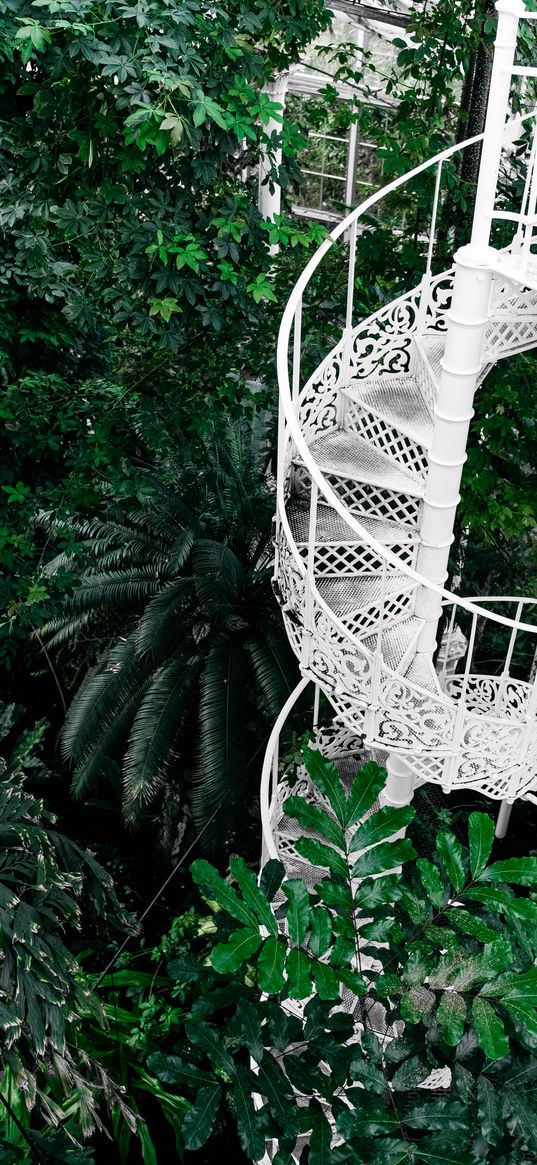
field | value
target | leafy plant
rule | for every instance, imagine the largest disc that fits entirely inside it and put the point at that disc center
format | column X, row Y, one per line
column 389, row 1017
column 197, row 650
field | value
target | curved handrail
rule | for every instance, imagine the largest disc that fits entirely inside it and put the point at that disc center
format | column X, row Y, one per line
column 291, row 419
column 265, row 792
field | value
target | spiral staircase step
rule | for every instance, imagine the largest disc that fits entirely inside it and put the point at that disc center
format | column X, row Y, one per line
column 346, row 596
column 333, row 530
column 422, row 673
column 397, row 401
column 433, row 345
column 397, row 642
column 344, row 455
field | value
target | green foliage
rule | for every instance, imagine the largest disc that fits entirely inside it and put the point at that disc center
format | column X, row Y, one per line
column 339, row 1046
column 195, row 637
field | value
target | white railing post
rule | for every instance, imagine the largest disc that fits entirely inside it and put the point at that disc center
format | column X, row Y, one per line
column 297, row 353
column 347, row 334
column 310, row 577
column 426, row 279
column 507, row 664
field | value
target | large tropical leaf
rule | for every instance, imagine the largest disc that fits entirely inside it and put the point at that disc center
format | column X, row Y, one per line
column 156, row 727
column 220, row 773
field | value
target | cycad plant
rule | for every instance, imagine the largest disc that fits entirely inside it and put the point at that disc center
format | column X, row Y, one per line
column 179, row 589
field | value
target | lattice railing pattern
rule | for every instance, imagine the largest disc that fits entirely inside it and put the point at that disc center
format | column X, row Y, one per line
column 395, row 444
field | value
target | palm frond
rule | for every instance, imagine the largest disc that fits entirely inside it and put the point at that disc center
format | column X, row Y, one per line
column 275, row 669
column 65, row 628
column 217, row 574
column 107, row 590
column 103, row 694
column 156, row 727
column 162, row 623
column 220, row 774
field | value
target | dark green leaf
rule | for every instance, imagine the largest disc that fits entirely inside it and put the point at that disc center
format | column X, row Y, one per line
column 321, row 1138
column 251, row 1136
column 298, row 911
column 471, row 924
column 381, row 825
column 524, row 1013
column 451, row 854
column 326, row 981
column 489, row 1108
column 253, row 895
column 451, row 1015
column 480, row 838
column 320, row 854
column 271, row 878
column 525, row 1116
column 410, row 1075
column 314, row 818
column 386, row 856
column 321, row 931
column 272, row 1083
column 206, row 875
column 366, row 1073
column 174, row 1070
column 250, row 1022
column 298, row 975
column 489, row 1030
column 199, row 1120
column 520, row 871
column 416, row 1004
column 439, row 1114
column 432, row 883
column 324, row 774
column 270, row 966
column 229, row 956
column 202, row 1036
column 365, row 789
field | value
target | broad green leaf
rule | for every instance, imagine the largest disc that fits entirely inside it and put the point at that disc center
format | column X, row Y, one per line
column 368, row 1074
column 373, row 892
column 464, row 1083
column 202, row 1036
column 380, row 930
column 250, row 1022
column 489, row 1030
column 174, row 1070
column 519, row 871
column 271, row 1082
column 471, row 924
column 351, row 979
column 251, row 1135
column 271, row 878
column 314, row 818
column 386, row 856
column 480, row 839
column 270, row 966
column 185, row 968
column 342, row 951
column 521, row 909
column 337, row 895
column 370, row 1117
column 417, row 965
column 451, row 854
column 410, row 1075
column 439, row 1114
column 320, row 854
column 416, row 1004
column 298, row 910
column 229, row 956
column 417, row 909
column 206, row 875
column 298, row 975
column 324, row 774
column 391, row 1151
column 432, row 883
column 326, row 982
column 525, row 1116
column 489, row 1109
column 381, row 825
column 522, row 1011
column 199, row 1120
column 451, row 1015
column 321, row 931
column 252, row 894
column 365, row 789
column 522, row 986
column 321, row 1137
column 436, row 1151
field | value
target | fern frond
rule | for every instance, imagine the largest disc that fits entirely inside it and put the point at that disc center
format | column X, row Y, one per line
column 107, row 689
column 217, row 574
column 157, row 724
column 220, row 773
column 275, row 669
column 162, row 623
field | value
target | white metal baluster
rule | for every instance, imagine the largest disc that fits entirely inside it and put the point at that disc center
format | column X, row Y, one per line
column 347, row 344
column 426, row 280
column 310, row 576
column 461, row 709
column 505, row 673
column 316, row 701
column 371, row 714
column 448, row 643
column 297, row 352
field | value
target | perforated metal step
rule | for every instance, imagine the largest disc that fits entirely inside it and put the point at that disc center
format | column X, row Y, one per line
column 433, row 345
column 397, row 642
column 333, row 530
column 347, row 456
column 398, row 402
column 421, row 671
column 347, row 596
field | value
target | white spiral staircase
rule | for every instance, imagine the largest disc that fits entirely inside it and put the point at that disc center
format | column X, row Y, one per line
column 371, row 452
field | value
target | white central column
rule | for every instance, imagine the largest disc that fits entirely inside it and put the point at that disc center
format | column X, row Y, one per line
column 269, row 192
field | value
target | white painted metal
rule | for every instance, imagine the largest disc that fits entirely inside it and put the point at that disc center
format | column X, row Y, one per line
column 371, row 451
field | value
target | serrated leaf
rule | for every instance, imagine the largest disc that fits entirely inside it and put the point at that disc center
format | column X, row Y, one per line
column 451, row 1015
column 315, row 818
column 519, row 871
column 489, row 1030
column 199, row 1120
column 432, row 883
column 489, row 1107
column 386, row 856
column 298, row 975
column 271, row 878
column 250, row 1022
column 270, row 964
column 251, row 1136
column 252, row 894
column 206, row 875
column 321, row 931
column 365, row 789
column 325, row 776
column 229, row 956
column 320, row 854
column 326, row 982
column 298, row 910
column 471, row 924
column 410, row 1075
column 416, row 1004
column 451, row 854
column 480, row 840
column 381, row 825
column 202, row 1036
